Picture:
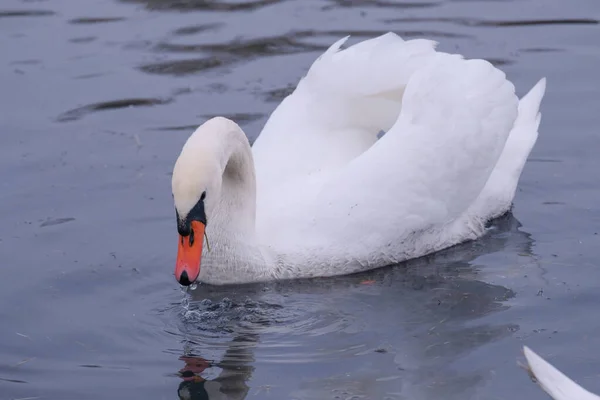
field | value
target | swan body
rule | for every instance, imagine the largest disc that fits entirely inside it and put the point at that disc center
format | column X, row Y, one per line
column 319, row 194
column 552, row 381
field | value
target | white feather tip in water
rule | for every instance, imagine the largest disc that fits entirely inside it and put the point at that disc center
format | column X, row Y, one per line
column 552, row 381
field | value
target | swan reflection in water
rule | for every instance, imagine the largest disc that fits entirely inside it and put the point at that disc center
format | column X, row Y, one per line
column 427, row 309
column 230, row 384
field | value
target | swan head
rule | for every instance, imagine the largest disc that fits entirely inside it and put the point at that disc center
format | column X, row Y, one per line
column 196, row 186
column 213, row 185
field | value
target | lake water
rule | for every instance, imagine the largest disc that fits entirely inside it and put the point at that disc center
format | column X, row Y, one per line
column 96, row 100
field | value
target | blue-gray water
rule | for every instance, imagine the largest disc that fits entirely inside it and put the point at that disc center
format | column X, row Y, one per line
column 96, row 99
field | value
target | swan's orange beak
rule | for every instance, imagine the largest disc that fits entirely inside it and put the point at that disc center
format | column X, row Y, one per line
column 189, row 253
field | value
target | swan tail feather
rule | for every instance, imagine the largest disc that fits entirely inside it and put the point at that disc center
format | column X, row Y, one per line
column 497, row 196
column 552, row 381
column 529, row 106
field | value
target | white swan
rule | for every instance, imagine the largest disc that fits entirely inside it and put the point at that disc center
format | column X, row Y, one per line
column 554, row 382
column 319, row 195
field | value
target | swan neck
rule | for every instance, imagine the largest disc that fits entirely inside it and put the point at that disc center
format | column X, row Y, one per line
column 238, row 190
column 231, row 228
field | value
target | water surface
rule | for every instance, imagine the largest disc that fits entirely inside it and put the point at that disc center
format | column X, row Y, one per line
column 97, row 99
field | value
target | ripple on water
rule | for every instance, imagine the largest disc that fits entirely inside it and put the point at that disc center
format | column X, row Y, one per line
column 195, row 29
column 213, row 318
column 277, row 95
column 229, row 328
column 25, row 13
column 384, row 4
column 240, row 118
column 83, row 39
column 80, row 112
column 95, row 20
column 470, row 22
column 223, row 55
column 203, row 5
column 184, row 67
column 249, row 48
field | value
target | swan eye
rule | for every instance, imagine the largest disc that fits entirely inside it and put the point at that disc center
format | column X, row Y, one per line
column 203, row 196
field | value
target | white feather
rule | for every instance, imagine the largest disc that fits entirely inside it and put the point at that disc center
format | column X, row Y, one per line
column 552, row 381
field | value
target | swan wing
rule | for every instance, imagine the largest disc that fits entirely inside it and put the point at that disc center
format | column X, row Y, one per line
column 337, row 110
column 431, row 165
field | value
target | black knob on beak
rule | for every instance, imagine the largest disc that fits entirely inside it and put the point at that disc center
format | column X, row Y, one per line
column 184, row 280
